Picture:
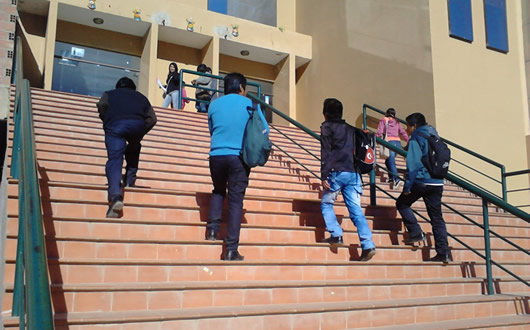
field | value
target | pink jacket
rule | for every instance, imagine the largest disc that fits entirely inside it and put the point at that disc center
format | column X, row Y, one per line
column 394, row 129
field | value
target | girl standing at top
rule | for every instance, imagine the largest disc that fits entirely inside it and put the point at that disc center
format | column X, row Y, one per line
column 172, row 87
column 389, row 129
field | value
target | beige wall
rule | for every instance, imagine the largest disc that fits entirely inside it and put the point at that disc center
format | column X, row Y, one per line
column 32, row 32
column 480, row 94
column 365, row 51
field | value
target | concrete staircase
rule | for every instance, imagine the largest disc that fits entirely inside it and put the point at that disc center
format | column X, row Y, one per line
column 152, row 268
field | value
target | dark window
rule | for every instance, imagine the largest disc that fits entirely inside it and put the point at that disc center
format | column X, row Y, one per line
column 11, row 36
column 496, row 25
column 14, row 2
column 90, row 71
column 460, row 19
column 9, row 54
column 12, row 18
column 8, row 72
column 261, row 11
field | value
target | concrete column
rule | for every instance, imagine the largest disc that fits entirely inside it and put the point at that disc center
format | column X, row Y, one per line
column 284, row 88
column 49, row 46
column 210, row 55
column 147, row 82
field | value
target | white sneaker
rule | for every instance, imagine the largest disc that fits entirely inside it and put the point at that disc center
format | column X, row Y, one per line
column 398, row 184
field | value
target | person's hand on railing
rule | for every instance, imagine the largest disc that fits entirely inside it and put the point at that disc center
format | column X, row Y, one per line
column 325, row 184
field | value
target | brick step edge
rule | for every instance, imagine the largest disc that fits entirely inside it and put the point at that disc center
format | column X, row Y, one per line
column 213, row 285
column 474, row 323
column 262, row 310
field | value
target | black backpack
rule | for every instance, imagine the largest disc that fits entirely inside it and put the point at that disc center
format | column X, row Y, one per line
column 363, row 151
column 256, row 144
column 438, row 157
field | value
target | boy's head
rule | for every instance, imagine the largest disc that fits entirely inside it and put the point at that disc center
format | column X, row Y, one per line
column 332, row 109
column 126, row 82
column 202, row 68
column 235, row 83
column 414, row 121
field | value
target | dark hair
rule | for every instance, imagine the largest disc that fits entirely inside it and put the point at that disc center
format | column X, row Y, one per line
column 125, row 82
column 416, row 119
column 332, row 108
column 175, row 65
column 232, row 81
column 202, row 68
column 391, row 112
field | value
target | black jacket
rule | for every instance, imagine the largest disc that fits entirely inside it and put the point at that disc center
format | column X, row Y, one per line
column 125, row 103
column 173, row 82
column 336, row 142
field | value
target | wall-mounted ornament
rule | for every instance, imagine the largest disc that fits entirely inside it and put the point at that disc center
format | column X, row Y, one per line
column 235, row 30
column 191, row 24
column 281, row 28
column 137, row 13
column 92, row 4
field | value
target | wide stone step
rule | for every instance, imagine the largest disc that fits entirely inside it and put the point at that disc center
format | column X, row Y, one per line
column 332, row 315
column 132, row 271
column 114, row 297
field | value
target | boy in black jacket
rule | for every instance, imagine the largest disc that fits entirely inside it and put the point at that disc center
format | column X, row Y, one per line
column 339, row 175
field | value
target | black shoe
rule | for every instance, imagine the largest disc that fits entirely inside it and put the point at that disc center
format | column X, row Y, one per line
column 116, row 205
column 441, row 257
column 211, row 235
column 127, row 184
column 412, row 240
column 367, row 254
column 334, row 240
column 233, row 256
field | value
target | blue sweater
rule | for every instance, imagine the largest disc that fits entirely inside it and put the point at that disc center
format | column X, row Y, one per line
column 227, row 119
column 418, row 147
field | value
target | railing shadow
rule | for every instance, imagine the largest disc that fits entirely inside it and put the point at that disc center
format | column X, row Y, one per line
column 52, row 250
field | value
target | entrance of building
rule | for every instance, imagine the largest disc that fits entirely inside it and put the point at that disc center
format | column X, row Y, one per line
column 90, row 71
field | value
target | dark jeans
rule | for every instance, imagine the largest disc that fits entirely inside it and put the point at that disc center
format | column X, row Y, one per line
column 228, row 172
column 123, row 137
column 432, row 196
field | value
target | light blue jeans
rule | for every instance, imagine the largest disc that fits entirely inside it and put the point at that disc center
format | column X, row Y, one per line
column 172, row 98
column 349, row 183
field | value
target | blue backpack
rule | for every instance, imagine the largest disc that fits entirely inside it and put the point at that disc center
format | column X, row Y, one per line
column 256, row 144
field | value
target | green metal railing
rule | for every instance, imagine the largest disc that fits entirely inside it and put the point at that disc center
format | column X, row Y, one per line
column 500, row 167
column 215, row 90
column 31, row 296
column 516, row 173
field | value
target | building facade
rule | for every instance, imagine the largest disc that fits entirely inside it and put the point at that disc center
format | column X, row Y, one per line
column 466, row 71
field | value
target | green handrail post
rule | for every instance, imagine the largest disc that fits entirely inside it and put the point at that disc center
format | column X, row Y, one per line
column 489, row 275
column 365, row 125
column 180, row 92
column 373, row 197
column 503, row 184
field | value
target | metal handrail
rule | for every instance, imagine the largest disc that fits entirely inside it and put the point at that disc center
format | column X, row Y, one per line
column 31, row 295
column 455, row 145
column 196, row 73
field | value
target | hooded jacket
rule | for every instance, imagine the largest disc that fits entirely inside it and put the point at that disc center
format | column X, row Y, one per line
column 418, row 147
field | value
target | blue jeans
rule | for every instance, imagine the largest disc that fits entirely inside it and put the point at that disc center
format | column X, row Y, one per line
column 349, row 183
column 122, row 137
column 390, row 163
column 201, row 107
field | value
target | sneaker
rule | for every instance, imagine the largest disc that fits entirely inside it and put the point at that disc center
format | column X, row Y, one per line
column 367, row 254
column 398, row 184
column 116, row 205
column 334, row 240
column 445, row 258
column 412, row 240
